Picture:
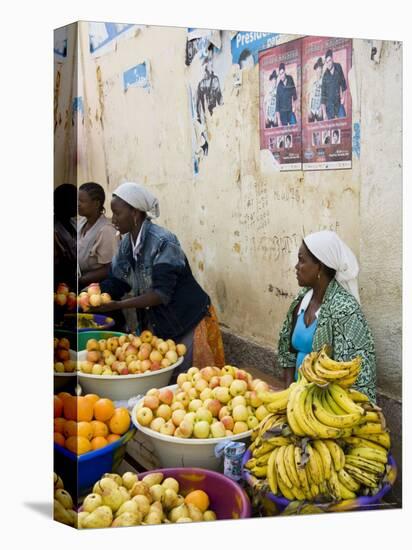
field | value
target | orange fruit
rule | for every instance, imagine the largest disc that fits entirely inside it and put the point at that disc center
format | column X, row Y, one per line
column 70, row 408
column 99, row 428
column 59, row 438
column 59, row 424
column 84, row 409
column 103, row 409
column 70, row 428
column 120, row 421
column 98, row 442
column 78, row 444
column 199, row 499
column 92, row 397
column 64, row 395
column 112, row 437
column 58, row 406
column 85, row 429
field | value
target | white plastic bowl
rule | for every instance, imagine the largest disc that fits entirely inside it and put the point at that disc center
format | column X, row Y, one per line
column 174, row 452
column 124, row 386
column 62, row 379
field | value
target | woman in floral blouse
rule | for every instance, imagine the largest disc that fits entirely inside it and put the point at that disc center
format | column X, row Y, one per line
column 327, row 311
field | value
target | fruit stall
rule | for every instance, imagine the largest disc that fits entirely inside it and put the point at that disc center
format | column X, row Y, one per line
column 137, row 441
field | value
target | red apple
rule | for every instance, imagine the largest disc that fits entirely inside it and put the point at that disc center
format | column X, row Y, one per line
column 228, row 422
column 155, row 365
column 93, row 288
column 61, row 299
column 166, row 396
column 214, row 407
column 151, row 401
column 62, row 288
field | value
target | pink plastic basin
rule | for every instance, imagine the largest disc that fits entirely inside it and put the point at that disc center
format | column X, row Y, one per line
column 227, row 499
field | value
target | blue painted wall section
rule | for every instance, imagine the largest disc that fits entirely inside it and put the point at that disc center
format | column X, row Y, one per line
column 252, row 41
column 136, row 77
column 356, row 139
column 113, row 30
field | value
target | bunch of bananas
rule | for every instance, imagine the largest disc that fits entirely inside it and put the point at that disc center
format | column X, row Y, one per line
column 319, row 368
column 321, row 442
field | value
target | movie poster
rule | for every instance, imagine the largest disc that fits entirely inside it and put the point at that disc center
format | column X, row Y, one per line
column 280, row 109
column 326, row 103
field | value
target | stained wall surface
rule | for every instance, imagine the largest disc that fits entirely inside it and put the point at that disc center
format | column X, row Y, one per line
column 240, row 221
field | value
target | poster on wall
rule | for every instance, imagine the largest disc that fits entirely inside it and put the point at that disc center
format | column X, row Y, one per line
column 245, row 46
column 279, row 104
column 103, row 37
column 326, row 103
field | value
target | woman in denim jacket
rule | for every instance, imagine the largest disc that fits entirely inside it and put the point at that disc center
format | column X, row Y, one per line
column 152, row 266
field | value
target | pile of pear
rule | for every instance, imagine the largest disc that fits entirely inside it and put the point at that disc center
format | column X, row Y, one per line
column 63, row 510
column 122, row 501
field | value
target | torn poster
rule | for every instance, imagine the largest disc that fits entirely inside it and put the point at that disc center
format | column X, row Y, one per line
column 198, row 42
column 103, row 37
column 245, row 46
column 137, row 76
column 326, row 103
column 60, row 42
column 279, row 101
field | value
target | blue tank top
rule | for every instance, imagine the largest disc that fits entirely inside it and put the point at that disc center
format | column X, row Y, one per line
column 302, row 338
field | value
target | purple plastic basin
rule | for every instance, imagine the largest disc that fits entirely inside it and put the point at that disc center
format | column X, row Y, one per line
column 227, row 499
column 360, row 503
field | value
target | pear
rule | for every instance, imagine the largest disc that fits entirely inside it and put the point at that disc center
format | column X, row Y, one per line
column 171, row 483
column 143, row 504
column 127, row 519
column 169, row 499
column 80, row 517
column 194, row 513
column 118, row 479
column 73, row 515
column 153, row 479
column 157, row 507
column 157, row 492
column 129, row 479
column 58, row 482
column 60, row 513
column 179, row 500
column 140, row 488
column 105, row 483
column 128, row 506
column 101, row 517
column 153, row 518
column 184, row 520
column 91, row 502
column 178, row 512
column 64, row 498
column 125, row 493
column 209, row 515
column 112, row 498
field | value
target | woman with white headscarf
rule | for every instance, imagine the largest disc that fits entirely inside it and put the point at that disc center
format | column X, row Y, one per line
column 327, row 311
column 151, row 265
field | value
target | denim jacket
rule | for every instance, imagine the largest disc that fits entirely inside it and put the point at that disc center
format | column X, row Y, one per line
column 161, row 266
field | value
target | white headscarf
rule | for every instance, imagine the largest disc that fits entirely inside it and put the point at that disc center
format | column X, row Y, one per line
column 138, row 197
column 327, row 247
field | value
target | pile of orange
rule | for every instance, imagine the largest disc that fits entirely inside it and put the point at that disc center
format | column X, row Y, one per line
column 86, row 423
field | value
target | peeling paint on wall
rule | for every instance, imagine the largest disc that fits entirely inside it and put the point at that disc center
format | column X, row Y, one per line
column 356, row 140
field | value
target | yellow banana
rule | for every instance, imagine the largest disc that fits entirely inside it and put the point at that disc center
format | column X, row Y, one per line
column 315, row 471
column 369, row 428
column 348, row 481
column 345, row 493
column 371, row 416
column 281, row 468
column 362, row 442
column 325, row 456
column 290, row 414
column 271, row 472
column 329, row 363
column 278, row 440
column 251, row 463
column 274, row 396
column 337, row 454
column 330, row 404
column 289, row 460
column 383, row 438
column 286, row 492
column 357, row 396
column 300, row 412
column 259, row 471
column 298, row 493
column 314, row 490
column 276, row 406
column 371, row 466
column 333, row 420
column 329, row 375
column 301, row 470
column 263, row 460
column 370, row 454
column 308, row 370
column 322, row 430
column 334, row 486
column 361, row 476
column 339, row 395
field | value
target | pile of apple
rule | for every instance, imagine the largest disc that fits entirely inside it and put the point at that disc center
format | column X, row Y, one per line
column 93, row 297
column 62, row 361
column 64, row 298
column 208, row 403
column 120, row 501
column 130, row 354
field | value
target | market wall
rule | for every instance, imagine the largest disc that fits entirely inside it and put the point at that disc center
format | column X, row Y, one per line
column 239, row 220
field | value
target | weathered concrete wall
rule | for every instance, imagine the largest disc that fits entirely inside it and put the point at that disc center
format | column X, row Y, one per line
column 240, row 222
